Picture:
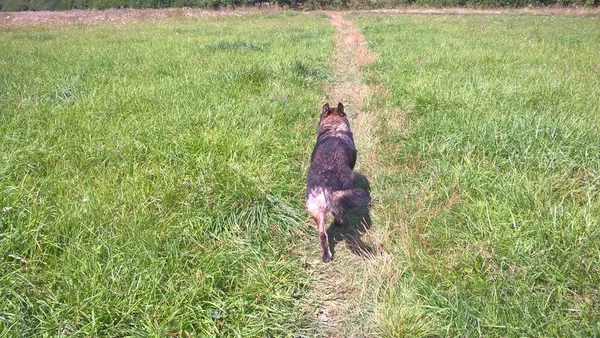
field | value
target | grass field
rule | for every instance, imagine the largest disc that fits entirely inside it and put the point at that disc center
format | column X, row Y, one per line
column 490, row 180
column 152, row 176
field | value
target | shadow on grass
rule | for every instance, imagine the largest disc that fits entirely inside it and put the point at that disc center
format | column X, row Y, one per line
column 356, row 223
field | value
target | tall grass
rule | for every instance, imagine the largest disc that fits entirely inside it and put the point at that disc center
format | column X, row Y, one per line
column 151, row 176
column 490, row 180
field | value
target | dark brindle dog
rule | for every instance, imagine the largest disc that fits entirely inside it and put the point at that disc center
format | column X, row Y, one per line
column 330, row 179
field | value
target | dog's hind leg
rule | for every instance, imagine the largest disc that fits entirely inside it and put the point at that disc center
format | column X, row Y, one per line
column 316, row 204
column 319, row 217
column 327, row 256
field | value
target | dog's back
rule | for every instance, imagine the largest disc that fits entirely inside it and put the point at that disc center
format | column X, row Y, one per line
column 330, row 179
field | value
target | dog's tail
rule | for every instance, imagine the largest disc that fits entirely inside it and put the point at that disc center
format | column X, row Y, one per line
column 345, row 200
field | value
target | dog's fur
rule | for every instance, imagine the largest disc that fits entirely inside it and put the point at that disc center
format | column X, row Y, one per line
column 330, row 179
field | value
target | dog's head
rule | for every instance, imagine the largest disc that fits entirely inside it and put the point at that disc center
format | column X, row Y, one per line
column 337, row 111
column 333, row 116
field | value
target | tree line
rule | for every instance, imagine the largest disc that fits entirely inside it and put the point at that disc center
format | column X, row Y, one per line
column 50, row 5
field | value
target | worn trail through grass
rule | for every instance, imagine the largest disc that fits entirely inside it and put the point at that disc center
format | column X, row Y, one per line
column 343, row 298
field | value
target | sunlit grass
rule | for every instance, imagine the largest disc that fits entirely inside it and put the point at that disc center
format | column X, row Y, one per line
column 151, row 176
column 489, row 181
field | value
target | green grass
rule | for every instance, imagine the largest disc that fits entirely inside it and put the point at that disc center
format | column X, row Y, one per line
column 489, row 187
column 151, row 176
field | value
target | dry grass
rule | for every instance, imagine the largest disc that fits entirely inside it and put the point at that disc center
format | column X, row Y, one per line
column 351, row 54
column 361, row 56
column 118, row 16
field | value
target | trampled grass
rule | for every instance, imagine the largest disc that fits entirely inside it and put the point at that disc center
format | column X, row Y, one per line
column 152, row 176
column 489, row 181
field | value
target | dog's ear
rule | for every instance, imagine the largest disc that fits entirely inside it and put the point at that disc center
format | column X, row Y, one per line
column 340, row 109
column 326, row 109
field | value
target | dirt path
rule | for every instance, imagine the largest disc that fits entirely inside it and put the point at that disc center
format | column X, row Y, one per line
column 351, row 54
column 344, row 299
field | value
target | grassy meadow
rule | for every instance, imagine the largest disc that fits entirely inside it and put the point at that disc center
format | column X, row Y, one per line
column 152, row 176
column 489, row 183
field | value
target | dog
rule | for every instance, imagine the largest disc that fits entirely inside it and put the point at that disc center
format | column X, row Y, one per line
column 330, row 178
